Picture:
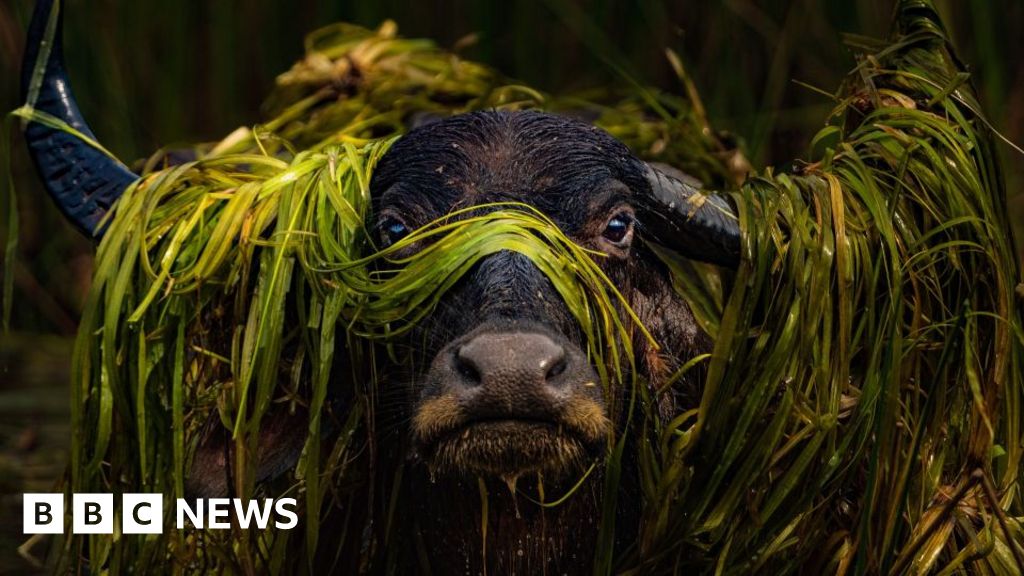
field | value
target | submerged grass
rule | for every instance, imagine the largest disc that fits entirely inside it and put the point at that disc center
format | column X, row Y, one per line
column 862, row 407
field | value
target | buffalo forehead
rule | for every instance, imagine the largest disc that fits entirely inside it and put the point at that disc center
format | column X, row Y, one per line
column 554, row 163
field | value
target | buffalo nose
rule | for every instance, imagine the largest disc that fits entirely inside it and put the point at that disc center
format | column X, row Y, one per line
column 521, row 360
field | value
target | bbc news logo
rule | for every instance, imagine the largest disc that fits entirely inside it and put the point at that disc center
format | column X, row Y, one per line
column 43, row 513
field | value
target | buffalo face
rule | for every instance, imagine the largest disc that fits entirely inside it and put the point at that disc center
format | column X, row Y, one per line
column 505, row 385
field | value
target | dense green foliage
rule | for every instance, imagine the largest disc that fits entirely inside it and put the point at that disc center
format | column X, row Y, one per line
column 862, row 409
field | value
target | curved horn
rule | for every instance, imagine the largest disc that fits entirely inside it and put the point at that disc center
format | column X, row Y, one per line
column 82, row 180
column 700, row 226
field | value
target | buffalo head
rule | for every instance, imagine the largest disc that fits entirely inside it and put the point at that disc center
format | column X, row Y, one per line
column 506, row 386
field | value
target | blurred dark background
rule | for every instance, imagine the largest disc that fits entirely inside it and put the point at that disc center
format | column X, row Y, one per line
column 153, row 73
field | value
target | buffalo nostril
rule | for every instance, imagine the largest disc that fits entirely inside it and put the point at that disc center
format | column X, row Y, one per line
column 556, row 368
column 467, row 368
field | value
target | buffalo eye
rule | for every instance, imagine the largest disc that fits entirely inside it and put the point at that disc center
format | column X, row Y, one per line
column 619, row 229
column 392, row 230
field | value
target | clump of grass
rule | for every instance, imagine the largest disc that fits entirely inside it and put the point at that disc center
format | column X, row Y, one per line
column 861, row 410
column 875, row 342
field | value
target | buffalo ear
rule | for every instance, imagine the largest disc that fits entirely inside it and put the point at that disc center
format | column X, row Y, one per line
column 281, row 438
column 676, row 214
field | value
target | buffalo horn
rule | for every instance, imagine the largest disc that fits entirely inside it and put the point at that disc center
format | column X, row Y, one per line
column 677, row 215
column 83, row 180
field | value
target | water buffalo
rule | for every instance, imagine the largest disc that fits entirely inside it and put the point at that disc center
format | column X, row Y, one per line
column 507, row 392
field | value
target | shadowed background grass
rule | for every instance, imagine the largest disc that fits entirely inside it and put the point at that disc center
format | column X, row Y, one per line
column 151, row 74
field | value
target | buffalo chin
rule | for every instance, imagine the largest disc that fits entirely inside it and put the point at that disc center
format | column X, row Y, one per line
column 509, row 449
